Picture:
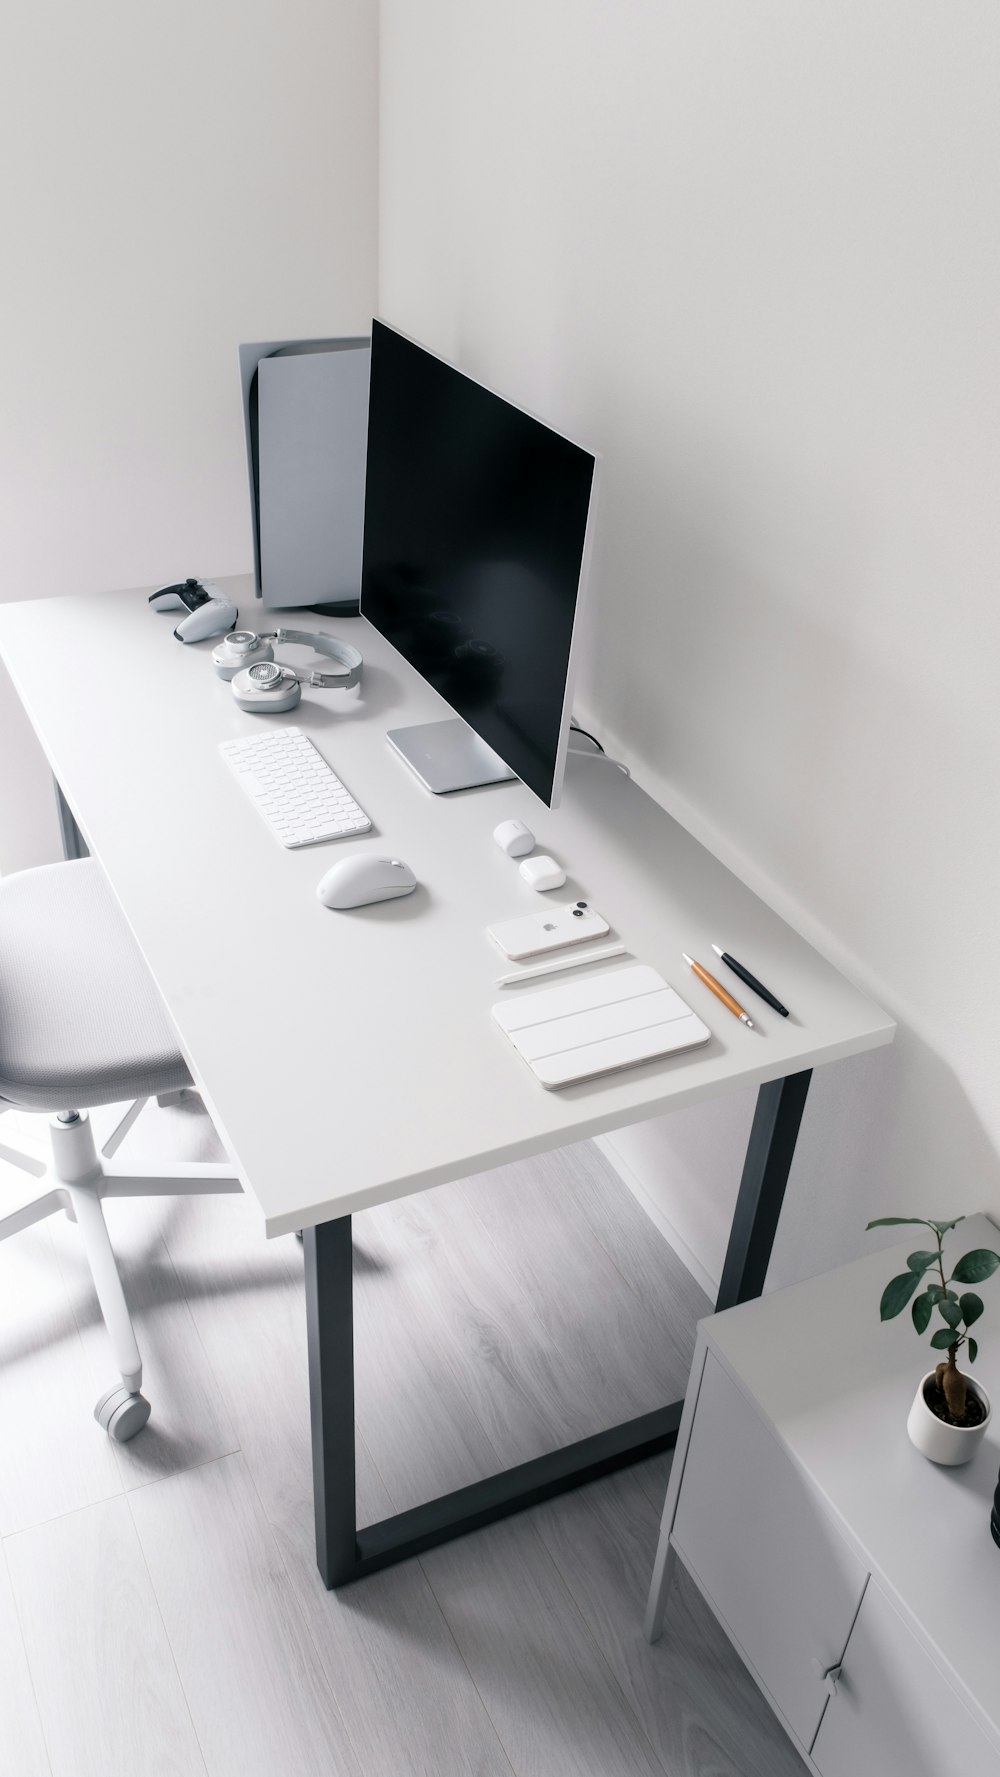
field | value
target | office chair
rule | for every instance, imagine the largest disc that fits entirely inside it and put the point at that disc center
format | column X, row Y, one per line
column 81, row 1024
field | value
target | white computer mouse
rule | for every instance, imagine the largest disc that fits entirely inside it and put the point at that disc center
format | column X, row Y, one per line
column 360, row 879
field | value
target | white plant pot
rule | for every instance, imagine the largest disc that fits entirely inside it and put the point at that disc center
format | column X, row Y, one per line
column 949, row 1444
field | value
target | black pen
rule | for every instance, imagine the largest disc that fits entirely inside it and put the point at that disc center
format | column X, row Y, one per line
column 751, row 980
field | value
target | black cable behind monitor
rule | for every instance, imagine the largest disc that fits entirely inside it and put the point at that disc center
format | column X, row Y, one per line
column 575, row 728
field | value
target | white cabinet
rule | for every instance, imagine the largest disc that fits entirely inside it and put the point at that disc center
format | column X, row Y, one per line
column 893, row 1712
column 859, row 1582
column 786, row 1583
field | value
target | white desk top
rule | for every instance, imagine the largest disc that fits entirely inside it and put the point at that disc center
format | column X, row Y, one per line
column 350, row 1058
column 837, row 1385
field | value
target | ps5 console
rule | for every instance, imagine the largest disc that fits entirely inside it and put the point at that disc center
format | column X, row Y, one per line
column 305, row 414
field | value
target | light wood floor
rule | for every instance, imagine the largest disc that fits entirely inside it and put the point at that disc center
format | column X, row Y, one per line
column 160, row 1612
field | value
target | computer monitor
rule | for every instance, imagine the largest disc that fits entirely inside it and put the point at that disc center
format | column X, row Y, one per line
column 475, row 538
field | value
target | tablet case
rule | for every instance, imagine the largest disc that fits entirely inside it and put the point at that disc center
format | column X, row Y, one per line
column 596, row 1026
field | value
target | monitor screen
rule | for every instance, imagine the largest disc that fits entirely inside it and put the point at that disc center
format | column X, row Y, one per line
column 475, row 523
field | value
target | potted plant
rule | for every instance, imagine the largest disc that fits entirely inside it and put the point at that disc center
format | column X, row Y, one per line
column 950, row 1412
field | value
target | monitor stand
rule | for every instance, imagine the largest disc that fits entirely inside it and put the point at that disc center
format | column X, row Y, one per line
column 448, row 756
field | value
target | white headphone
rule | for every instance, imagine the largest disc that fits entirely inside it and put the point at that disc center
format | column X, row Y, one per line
column 263, row 685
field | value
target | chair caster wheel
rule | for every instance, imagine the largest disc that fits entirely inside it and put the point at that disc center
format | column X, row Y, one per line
column 122, row 1414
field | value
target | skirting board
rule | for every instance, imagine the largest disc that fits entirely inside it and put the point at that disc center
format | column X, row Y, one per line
column 629, row 1178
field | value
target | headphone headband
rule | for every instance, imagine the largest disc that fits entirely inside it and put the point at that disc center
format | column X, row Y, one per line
column 348, row 658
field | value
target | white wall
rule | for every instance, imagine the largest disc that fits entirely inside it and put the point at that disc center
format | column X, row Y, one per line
column 176, row 179
column 752, row 255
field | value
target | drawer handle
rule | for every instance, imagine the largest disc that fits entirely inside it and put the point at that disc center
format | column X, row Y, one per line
column 829, row 1675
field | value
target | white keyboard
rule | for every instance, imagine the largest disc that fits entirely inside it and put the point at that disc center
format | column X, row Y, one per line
column 302, row 800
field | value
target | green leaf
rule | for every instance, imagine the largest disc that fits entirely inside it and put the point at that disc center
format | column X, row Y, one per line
column 936, row 1291
column 943, row 1227
column 900, row 1222
column 975, row 1266
column 951, row 1312
column 897, row 1293
column 919, row 1262
column 971, row 1307
column 942, row 1338
column 921, row 1311
column 973, row 1350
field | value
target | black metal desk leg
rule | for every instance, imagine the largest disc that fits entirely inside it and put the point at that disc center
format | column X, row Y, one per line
column 343, row 1552
column 73, row 843
column 330, row 1329
column 773, row 1133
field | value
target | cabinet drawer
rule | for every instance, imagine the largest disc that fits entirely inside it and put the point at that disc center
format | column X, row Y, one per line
column 894, row 1711
column 756, row 1538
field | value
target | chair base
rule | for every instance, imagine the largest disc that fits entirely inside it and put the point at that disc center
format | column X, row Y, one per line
column 72, row 1176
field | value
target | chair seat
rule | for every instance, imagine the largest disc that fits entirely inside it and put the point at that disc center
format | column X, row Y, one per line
column 81, row 1022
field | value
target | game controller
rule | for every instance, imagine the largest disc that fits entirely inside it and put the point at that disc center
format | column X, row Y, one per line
column 209, row 611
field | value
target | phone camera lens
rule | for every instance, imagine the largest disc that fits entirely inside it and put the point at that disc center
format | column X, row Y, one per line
column 581, row 903
column 577, row 913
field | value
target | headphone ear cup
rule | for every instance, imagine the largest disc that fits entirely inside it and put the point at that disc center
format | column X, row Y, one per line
column 241, row 648
column 266, row 691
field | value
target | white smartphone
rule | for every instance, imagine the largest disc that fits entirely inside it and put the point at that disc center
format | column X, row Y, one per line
column 572, row 923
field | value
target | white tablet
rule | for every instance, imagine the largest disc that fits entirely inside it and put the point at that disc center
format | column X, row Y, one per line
column 599, row 1025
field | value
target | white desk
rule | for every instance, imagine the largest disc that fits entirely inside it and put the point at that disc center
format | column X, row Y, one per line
column 350, row 1058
